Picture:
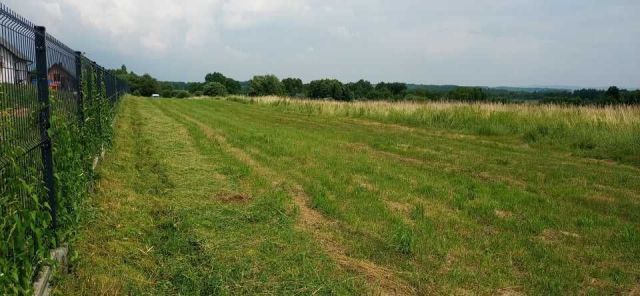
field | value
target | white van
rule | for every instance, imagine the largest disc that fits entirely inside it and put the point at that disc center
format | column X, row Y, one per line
column 155, row 95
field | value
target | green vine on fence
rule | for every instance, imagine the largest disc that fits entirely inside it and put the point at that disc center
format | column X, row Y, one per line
column 25, row 222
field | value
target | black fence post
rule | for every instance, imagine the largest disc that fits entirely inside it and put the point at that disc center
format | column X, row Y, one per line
column 79, row 87
column 99, row 98
column 90, row 95
column 44, row 122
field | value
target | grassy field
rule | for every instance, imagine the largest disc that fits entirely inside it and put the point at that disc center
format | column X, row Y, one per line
column 273, row 196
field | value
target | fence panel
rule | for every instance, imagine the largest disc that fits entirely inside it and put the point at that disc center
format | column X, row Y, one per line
column 56, row 107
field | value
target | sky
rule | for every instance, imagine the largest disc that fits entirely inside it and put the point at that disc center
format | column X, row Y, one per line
column 578, row 43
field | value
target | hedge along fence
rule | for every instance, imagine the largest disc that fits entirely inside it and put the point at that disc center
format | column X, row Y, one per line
column 56, row 108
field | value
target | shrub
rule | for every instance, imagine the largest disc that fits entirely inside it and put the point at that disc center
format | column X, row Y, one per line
column 232, row 86
column 468, row 94
column 168, row 93
column 214, row 89
column 181, row 94
column 266, row 85
column 328, row 88
column 293, row 87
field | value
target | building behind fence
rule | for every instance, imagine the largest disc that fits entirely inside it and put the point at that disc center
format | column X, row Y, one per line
column 56, row 107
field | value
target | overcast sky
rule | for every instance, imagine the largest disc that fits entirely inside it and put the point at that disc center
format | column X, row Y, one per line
column 467, row 42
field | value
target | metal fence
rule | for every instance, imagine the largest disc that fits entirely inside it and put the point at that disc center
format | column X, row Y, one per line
column 43, row 83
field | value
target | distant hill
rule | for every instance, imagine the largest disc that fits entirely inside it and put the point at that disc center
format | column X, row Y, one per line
column 431, row 87
column 447, row 88
column 532, row 89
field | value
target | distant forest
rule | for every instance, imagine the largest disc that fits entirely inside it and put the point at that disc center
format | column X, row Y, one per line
column 217, row 84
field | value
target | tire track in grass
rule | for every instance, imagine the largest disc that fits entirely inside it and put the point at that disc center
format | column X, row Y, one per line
column 383, row 280
column 176, row 248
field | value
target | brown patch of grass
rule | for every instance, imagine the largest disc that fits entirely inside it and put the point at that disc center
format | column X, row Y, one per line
column 399, row 207
column 635, row 291
column 598, row 284
column 602, row 198
column 402, row 209
column 486, row 176
column 230, row 197
column 503, row 214
column 552, row 236
column 363, row 182
column 509, row 291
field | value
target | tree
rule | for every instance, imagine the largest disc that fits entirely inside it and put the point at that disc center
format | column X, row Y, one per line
column 360, row 90
column 194, row 87
column 181, row 94
column 396, row 89
column 145, row 84
column 380, row 93
column 265, row 85
column 215, row 77
column 166, row 89
column 231, row 85
column 293, row 86
column 588, row 94
column 214, row 89
column 613, row 93
column 328, row 88
column 469, row 94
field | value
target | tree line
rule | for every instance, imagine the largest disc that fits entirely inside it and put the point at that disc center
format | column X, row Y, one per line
column 217, row 84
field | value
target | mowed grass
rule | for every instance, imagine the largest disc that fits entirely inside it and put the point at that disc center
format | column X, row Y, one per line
column 231, row 197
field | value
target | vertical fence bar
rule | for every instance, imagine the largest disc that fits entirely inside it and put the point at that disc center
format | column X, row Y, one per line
column 79, row 87
column 90, row 95
column 44, row 121
column 99, row 97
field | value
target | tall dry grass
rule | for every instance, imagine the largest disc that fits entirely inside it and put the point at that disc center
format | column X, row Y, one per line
column 611, row 132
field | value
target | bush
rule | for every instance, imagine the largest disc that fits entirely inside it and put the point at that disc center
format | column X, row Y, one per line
column 328, row 88
column 293, row 87
column 181, row 94
column 214, row 89
column 232, row 86
column 168, row 93
column 266, row 85
column 467, row 94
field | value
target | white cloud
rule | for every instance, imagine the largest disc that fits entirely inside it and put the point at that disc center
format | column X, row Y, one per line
column 238, row 14
column 341, row 32
column 413, row 40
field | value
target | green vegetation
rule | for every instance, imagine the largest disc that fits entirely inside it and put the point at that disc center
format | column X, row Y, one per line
column 273, row 196
column 611, row 133
column 266, row 85
column 26, row 233
column 214, row 89
column 293, row 87
column 231, row 86
column 328, row 88
column 362, row 90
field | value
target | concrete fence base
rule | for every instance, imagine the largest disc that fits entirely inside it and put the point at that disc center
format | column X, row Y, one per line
column 42, row 285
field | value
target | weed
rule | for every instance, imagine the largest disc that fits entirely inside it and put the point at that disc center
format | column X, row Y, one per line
column 404, row 239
